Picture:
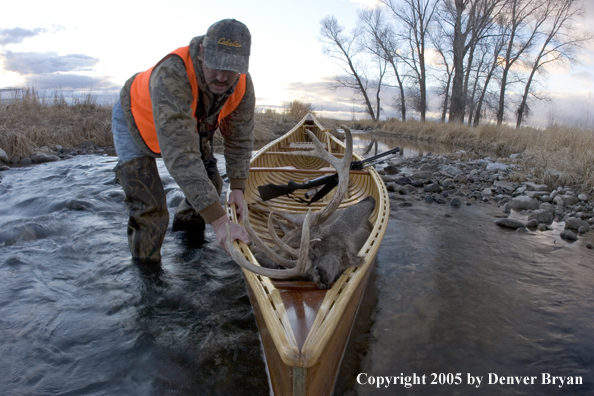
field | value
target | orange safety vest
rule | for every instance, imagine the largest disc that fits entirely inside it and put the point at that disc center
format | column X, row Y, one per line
column 142, row 106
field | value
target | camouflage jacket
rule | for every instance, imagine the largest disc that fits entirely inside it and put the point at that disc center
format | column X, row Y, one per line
column 186, row 148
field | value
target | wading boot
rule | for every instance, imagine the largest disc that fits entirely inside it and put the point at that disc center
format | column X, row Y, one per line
column 188, row 220
column 147, row 207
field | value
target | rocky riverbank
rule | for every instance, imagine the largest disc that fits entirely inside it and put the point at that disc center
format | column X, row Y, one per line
column 522, row 205
column 442, row 180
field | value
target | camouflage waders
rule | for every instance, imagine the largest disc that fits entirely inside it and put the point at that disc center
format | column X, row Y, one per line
column 147, row 207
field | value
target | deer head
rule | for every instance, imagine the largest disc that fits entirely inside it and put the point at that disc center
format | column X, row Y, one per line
column 324, row 246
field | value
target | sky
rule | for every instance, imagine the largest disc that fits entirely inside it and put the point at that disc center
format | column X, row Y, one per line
column 96, row 46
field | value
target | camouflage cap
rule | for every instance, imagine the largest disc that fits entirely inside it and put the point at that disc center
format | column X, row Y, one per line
column 227, row 46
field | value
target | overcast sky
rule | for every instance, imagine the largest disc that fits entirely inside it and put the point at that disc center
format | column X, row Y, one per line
column 97, row 46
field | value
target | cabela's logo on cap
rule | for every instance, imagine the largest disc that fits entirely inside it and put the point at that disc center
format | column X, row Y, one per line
column 229, row 43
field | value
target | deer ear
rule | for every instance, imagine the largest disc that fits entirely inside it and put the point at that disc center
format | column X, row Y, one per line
column 356, row 260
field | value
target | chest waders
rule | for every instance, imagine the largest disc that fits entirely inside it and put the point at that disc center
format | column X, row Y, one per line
column 146, row 204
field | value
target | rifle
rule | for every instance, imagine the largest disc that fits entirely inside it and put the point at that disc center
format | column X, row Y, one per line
column 328, row 182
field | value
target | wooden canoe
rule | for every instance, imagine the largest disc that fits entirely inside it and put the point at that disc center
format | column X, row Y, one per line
column 304, row 330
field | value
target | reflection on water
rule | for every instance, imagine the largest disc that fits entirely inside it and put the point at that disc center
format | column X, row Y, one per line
column 369, row 145
column 451, row 293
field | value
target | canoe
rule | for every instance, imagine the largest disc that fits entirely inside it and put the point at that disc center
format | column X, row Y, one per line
column 304, row 330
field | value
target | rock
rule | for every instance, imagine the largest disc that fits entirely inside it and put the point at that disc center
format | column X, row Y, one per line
column 536, row 187
column 41, row 157
column 447, row 183
column 456, row 202
column 387, row 179
column 590, row 245
column 496, row 166
column 432, row 188
column 391, row 170
column 26, row 161
column 559, row 201
column 428, row 198
column 583, row 230
column 568, row 235
column 426, row 167
column 573, row 223
column 487, row 193
column 524, row 202
column 542, row 216
column 422, row 174
column 509, row 223
column 581, row 197
column 532, row 223
column 403, row 180
column 392, row 187
column 4, row 157
column 570, row 199
column 509, row 186
column 451, row 170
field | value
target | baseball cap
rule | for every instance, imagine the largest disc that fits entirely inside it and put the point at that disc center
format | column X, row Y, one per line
column 227, row 46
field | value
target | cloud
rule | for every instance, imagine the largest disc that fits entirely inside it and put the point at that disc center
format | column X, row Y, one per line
column 25, row 63
column 17, row 35
column 70, row 82
column 584, row 76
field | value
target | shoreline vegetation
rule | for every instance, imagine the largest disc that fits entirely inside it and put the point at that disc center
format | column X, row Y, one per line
column 556, row 156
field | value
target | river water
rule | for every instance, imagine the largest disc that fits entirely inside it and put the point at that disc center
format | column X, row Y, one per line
column 451, row 293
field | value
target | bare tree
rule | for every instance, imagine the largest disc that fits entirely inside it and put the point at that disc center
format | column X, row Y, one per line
column 379, row 39
column 495, row 44
column 442, row 42
column 343, row 49
column 559, row 41
column 416, row 17
column 470, row 22
column 522, row 21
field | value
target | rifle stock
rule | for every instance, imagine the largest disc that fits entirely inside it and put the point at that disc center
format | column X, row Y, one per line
column 270, row 191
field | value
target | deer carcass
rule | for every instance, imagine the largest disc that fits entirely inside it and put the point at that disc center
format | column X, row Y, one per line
column 325, row 244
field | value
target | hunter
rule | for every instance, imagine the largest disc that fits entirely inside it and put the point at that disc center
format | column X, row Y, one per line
column 172, row 111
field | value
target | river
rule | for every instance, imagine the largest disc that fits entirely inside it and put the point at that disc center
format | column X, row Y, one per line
column 451, row 293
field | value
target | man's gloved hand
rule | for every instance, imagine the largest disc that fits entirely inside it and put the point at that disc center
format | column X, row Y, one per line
column 236, row 197
column 237, row 231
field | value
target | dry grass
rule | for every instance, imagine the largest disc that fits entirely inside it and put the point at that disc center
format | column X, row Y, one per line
column 35, row 122
column 557, row 156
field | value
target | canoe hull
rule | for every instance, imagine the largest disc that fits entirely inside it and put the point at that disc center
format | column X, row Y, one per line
column 305, row 330
column 320, row 378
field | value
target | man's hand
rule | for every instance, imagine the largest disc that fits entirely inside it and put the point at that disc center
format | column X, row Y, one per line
column 236, row 197
column 237, row 231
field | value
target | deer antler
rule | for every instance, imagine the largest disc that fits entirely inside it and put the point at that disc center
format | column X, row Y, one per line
column 303, row 262
column 262, row 245
column 342, row 167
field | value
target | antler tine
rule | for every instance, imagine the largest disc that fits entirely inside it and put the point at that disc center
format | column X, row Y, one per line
column 277, row 240
column 342, row 166
column 301, row 268
column 262, row 245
